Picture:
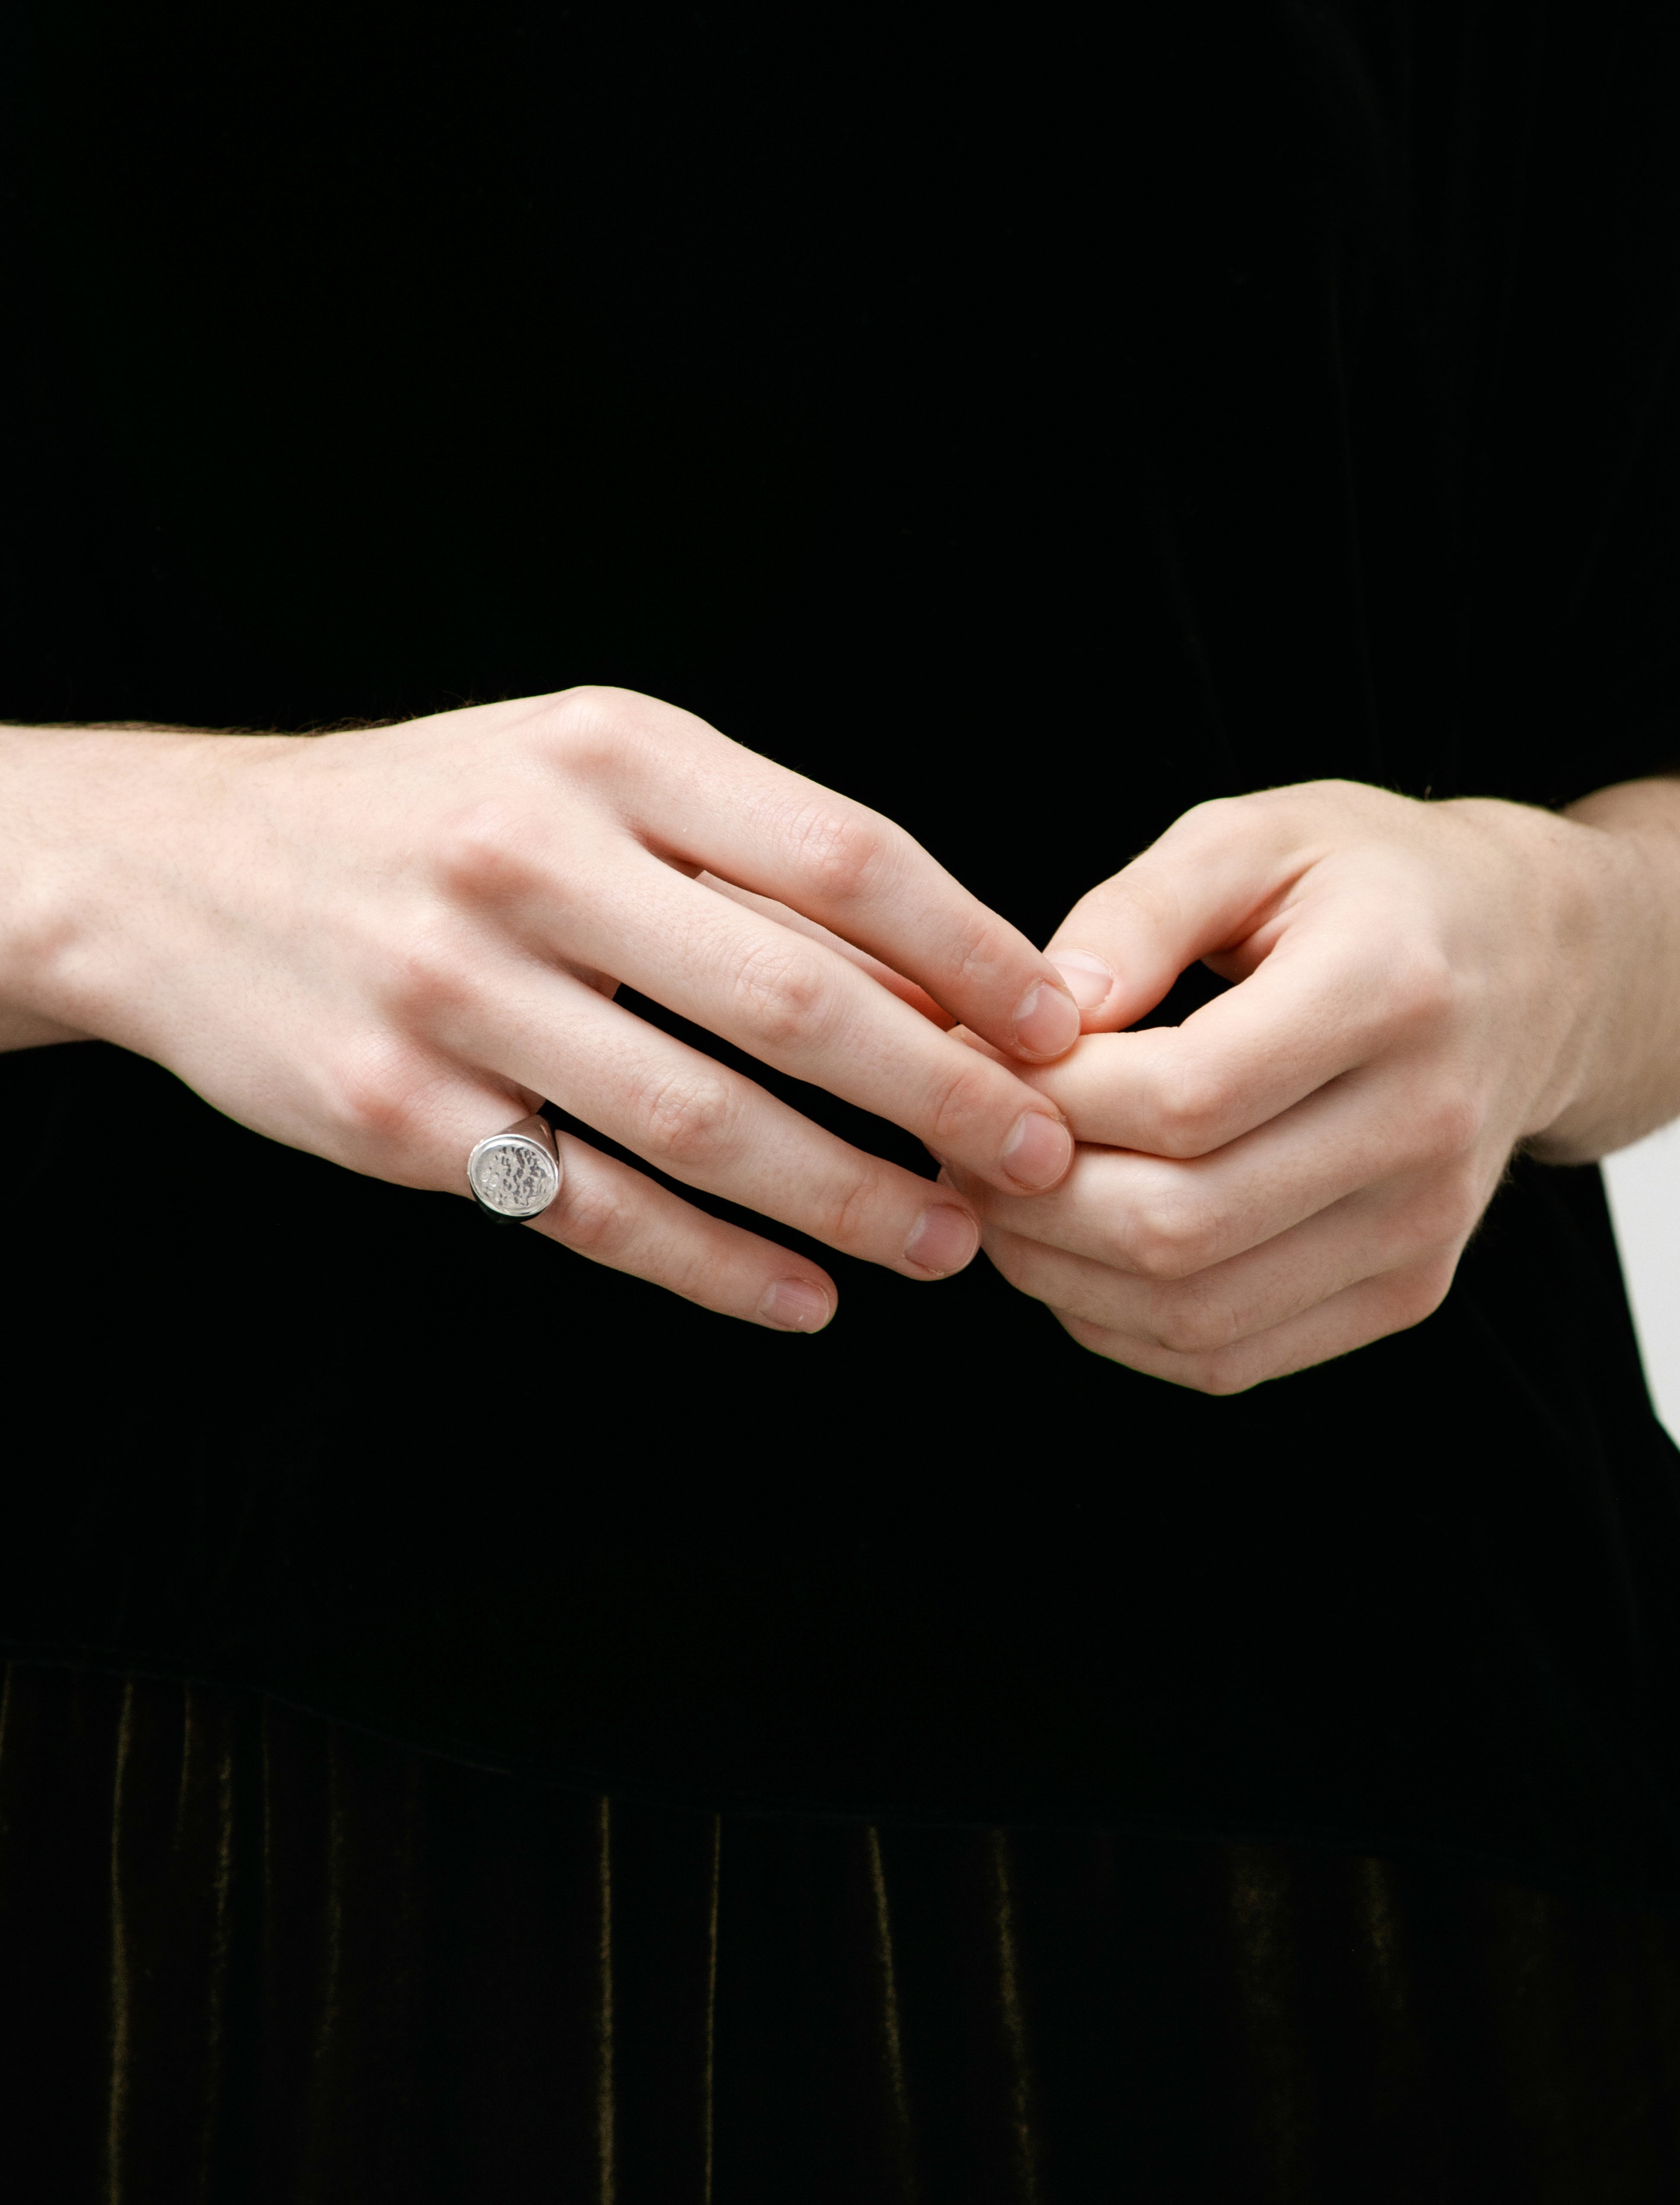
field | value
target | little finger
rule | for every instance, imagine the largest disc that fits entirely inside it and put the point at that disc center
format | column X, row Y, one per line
column 418, row 1123
column 1353, row 1318
column 618, row 1218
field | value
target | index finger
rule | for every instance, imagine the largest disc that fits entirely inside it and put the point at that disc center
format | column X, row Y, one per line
column 1305, row 1017
column 711, row 803
column 794, row 1003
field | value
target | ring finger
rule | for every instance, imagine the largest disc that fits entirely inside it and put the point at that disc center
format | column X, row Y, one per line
column 604, row 1210
column 703, row 1124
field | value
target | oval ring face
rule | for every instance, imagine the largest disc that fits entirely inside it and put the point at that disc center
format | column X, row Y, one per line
column 513, row 1176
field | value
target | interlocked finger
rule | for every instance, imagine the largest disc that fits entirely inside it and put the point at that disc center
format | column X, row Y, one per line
column 1353, row 1318
column 705, row 1124
column 1397, row 1225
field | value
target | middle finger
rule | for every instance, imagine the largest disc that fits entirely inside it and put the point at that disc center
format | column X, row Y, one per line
column 796, row 1004
column 705, row 1125
column 1167, row 1217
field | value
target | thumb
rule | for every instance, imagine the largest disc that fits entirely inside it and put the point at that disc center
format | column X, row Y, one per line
column 1210, row 882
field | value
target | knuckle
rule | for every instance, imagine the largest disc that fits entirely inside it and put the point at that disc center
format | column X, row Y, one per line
column 1191, row 1112
column 427, row 979
column 1453, row 1122
column 785, row 992
column 377, row 1101
column 1417, row 1293
column 1423, row 990
column 836, row 850
column 1448, row 1209
column 964, row 1096
column 1165, row 1238
column 687, row 1119
column 846, row 1211
column 975, row 953
column 589, row 1218
column 482, row 853
column 1221, row 1373
column 583, row 703
column 587, row 727
column 1185, row 1320
column 1212, row 815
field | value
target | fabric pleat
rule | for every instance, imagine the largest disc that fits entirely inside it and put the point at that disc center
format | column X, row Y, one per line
column 252, row 1955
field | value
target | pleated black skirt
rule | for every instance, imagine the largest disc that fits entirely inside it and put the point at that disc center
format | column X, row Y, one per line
column 247, row 1954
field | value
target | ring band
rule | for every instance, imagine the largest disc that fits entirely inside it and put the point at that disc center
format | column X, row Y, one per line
column 517, row 1173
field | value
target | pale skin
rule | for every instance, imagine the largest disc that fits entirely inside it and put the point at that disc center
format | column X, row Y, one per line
column 1296, row 1170
column 379, row 946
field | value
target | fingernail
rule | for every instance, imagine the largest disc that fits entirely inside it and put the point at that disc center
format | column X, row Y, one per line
column 1039, row 1151
column 796, row 1305
column 944, row 1241
column 1046, row 1022
column 1090, row 982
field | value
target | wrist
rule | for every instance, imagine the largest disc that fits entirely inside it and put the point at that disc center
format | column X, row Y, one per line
column 1565, row 899
column 1622, row 1071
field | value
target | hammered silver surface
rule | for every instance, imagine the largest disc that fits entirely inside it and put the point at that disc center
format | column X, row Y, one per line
column 513, row 1176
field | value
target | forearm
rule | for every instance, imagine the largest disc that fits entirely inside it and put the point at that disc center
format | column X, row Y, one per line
column 64, row 795
column 27, row 920
column 1630, row 1080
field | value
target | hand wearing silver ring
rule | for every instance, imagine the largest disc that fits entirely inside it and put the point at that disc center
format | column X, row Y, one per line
column 514, row 1175
column 496, row 875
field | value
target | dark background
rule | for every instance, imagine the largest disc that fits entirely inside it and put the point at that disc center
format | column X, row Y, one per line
column 1031, row 426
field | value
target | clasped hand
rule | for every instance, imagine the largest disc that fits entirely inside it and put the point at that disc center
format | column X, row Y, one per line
column 1296, row 1169
column 381, row 945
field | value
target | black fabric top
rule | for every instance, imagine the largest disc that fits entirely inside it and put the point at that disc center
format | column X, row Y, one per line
column 1030, row 423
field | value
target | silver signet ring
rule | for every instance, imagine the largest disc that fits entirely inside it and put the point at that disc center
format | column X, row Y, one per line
column 517, row 1173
